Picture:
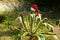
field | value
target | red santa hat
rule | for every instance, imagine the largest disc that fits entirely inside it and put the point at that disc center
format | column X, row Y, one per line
column 35, row 7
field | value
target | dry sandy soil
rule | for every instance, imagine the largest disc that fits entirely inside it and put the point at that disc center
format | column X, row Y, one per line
column 57, row 31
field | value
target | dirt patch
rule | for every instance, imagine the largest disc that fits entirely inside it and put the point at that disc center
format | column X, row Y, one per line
column 57, row 31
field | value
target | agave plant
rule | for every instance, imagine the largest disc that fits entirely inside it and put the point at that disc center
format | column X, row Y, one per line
column 34, row 28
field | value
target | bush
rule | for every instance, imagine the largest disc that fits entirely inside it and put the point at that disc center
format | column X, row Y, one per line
column 33, row 27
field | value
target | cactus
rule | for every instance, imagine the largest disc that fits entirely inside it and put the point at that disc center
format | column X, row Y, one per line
column 34, row 28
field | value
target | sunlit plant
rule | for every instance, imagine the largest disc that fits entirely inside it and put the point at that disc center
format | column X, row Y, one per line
column 34, row 28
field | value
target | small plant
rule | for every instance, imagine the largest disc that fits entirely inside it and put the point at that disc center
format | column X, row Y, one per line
column 8, row 22
column 2, row 18
column 34, row 28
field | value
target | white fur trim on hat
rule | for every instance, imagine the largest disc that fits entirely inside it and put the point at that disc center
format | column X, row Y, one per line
column 32, row 9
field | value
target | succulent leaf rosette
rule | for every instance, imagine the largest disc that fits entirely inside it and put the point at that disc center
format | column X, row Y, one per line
column 35, row 28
